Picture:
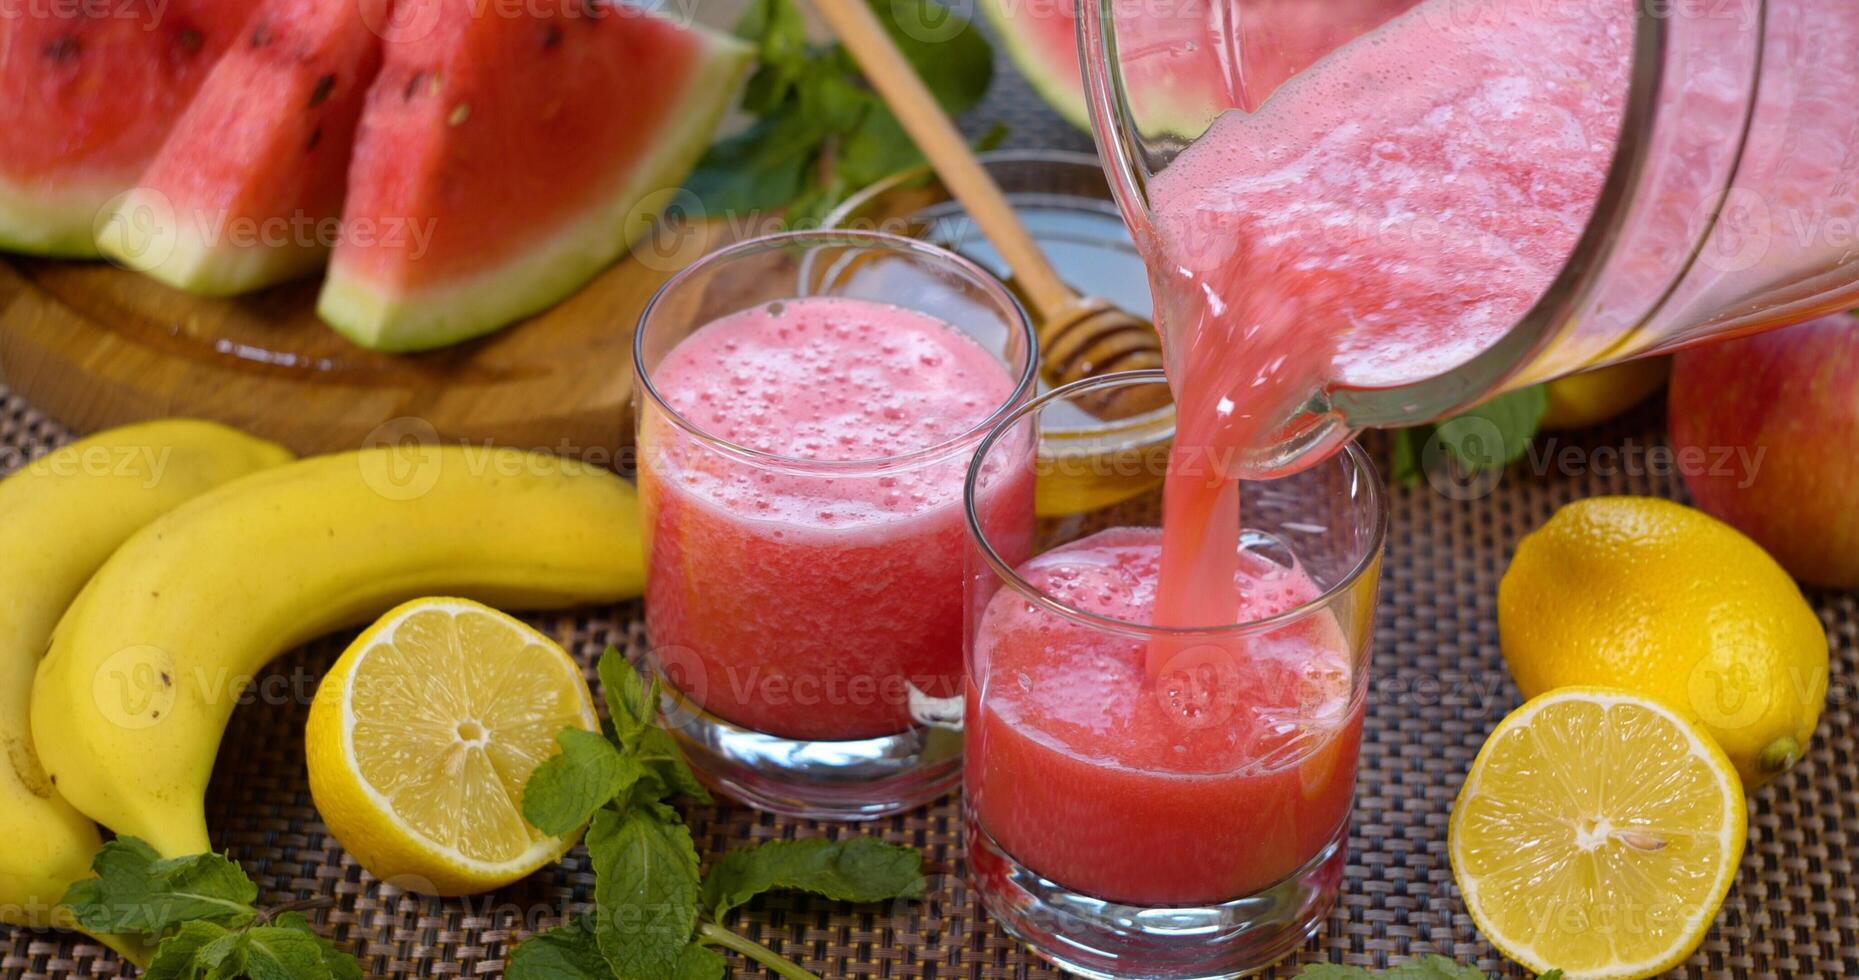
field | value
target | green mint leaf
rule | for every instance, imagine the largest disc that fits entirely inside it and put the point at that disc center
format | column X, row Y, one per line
column 223, row 958
column 994, row 137
column 569, row 952
column 645, row 884
column 820, row 131
column 760, row 169
column 136, row 891
column 1496, row 433
column 1424, row 968
column 699, row 962
column 1405, row 465
column 563, row 793
column 877, row 149
column 630, row 702
column 341, row 965
column 832, row 93
column 862, row 869
column 284, row 953
column 634, row 710
column 954, row 60
column 658, row 752
column 779, row 32
column 178, row 956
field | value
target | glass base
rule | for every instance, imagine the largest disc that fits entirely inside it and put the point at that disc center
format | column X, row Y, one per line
column 863, row 779
column 1106, row 941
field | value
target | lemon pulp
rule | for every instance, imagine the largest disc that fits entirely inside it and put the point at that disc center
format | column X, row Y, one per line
column 1597, row 833
column 445, row 709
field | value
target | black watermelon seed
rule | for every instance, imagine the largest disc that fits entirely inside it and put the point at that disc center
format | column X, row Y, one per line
column 189, row 40
column 551, row 36
column 64, row 48
column 316, row 136
column 324, row 86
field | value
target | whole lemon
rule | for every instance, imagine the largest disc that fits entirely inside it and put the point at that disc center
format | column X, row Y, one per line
column 1592, row 397
column 1664, row 601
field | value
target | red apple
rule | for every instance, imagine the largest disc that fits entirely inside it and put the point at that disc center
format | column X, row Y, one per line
column 1765, row 430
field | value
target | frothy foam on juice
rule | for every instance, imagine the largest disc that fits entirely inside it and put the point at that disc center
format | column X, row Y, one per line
column 827, row 380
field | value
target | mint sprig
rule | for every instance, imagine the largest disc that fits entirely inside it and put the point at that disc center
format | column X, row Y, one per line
column 1489, row 436
column 862, row 869
column 137, row 891
column 819, row 131
column 563, row 792
column 200, row 908
column 656, row 916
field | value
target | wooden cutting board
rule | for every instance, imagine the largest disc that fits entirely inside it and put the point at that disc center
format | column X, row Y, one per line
column 94, row 346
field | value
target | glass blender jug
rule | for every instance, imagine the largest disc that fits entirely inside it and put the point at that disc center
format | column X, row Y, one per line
column 1724, row 195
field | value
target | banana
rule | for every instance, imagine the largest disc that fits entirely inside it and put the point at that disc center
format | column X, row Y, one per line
column 134, row 696
column 60, row 517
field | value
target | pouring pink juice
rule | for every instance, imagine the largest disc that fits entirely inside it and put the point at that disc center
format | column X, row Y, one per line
column 1397, row 209
column 1301, row 243
column 1386, row 218
column 1191, row 825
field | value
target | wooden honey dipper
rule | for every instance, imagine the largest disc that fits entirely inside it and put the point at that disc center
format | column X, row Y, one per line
column 1079, row 336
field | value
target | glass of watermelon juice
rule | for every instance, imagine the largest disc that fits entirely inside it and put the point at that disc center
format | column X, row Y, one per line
column 1185, row 823
column 808, row 405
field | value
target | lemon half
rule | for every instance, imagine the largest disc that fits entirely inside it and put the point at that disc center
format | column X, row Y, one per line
column 1597, row 833
column 423, row 736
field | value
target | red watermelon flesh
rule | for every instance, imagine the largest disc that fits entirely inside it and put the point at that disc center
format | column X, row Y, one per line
column 503, row 161
column 247, row 190
column 87, row 101
column 1188, row 61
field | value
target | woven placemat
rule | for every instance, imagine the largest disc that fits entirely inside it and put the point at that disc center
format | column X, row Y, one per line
column 1439, row 686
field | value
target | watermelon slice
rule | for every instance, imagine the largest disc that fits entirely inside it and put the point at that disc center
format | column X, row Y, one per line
column 1176, row 59
column 89, row 93
column 502, row 161
column 248, row 188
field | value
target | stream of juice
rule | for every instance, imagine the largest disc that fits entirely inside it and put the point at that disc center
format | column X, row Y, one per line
column 1387, row 214
column 1369, row 235
column 1400, row 205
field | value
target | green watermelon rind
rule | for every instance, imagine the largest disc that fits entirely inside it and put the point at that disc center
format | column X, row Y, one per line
column 557, row 267
column 55, row 224
column 1065, row 95
column 182, row 258
column 1162, row 113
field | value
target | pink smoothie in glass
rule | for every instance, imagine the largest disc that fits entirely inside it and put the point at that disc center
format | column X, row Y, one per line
column 1083, row 773
column 812, row 592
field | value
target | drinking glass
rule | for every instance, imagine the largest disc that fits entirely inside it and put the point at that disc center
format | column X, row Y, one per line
column 1189, row 826
column 1730, row 200
column 813, row 663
